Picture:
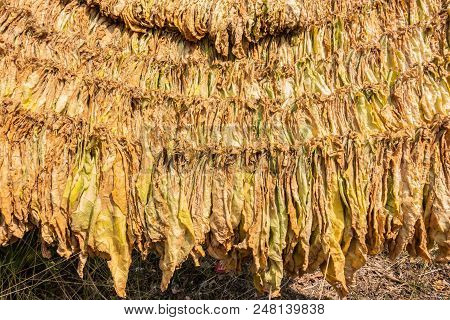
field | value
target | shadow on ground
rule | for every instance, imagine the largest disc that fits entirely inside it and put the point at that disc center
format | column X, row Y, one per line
column 25, row 274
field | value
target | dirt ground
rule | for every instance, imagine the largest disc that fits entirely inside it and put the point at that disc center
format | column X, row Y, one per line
column 380, row 278
column 25, row 274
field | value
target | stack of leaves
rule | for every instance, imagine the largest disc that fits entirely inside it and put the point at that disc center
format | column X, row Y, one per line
column 293, row 134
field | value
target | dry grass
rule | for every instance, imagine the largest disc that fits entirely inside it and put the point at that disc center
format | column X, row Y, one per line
column 25, row 274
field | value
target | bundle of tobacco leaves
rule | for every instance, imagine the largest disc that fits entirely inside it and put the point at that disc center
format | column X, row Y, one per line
column 295, row 134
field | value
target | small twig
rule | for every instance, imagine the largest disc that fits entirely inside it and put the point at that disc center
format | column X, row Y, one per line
column 325, row 275
column 432, row 271
column 388, row 276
